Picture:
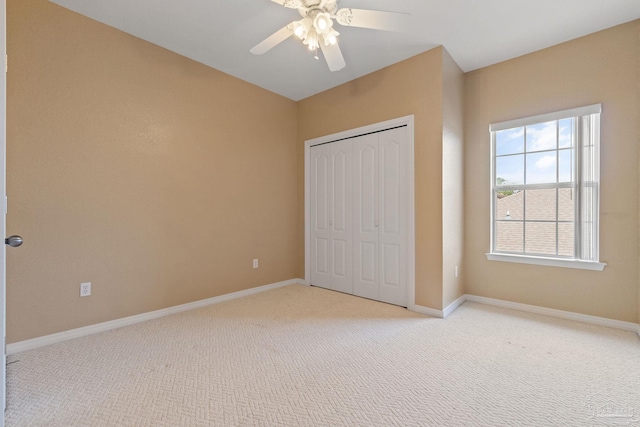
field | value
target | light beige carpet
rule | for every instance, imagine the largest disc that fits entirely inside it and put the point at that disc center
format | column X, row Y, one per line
column 299, row 356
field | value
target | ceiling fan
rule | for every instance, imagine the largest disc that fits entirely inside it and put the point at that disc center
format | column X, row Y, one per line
column 315, row 29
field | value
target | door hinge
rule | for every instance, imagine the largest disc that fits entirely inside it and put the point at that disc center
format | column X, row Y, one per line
column 6, row 205
column 6, row 63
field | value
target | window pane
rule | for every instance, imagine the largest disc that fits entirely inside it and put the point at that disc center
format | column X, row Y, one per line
column 566, row 204
column 565, row 133
column 509, row 236
column 510, row 170
column 540, row 238
column 566, row 165
column 509, row 141
column 542, row 136
column 541, row 205
column 566, row 239
column 509, row 205
column 541, row 168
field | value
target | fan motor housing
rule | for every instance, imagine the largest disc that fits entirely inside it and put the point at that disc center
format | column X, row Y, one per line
column 319, row 6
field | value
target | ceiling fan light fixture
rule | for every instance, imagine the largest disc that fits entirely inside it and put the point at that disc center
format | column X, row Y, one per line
column 316, row 28
column 331, row 37
column 301, row 28
column 322, row 22
column 312, row 39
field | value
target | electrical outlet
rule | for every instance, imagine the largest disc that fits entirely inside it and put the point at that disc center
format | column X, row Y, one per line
column 255, row 263
column 85, row 289
column 456, row 271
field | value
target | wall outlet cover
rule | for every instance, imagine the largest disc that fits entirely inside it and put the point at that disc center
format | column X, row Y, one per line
column 85, row 289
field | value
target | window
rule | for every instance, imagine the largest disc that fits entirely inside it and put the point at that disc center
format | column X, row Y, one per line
column 544, row 191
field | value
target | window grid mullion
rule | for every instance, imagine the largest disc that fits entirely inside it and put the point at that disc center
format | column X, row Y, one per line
column 577, row 227
column 546, row 186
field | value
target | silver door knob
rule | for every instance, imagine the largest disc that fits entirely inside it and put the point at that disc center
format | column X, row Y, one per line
column 13, row 241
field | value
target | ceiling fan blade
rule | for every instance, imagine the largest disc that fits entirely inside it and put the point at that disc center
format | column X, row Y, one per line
column 292, row 4
column 374, row 19
column 273, row 40
column 333, row 55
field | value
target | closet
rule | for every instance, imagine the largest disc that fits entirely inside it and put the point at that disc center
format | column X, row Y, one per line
column 359, row 213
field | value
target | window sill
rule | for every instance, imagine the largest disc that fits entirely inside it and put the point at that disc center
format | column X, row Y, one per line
column 552, row 262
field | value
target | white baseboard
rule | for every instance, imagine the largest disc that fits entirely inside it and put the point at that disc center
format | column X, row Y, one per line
column 426, row 311
column 454, row 305
column 440, row 314
column 30, row 344
column 568, row 315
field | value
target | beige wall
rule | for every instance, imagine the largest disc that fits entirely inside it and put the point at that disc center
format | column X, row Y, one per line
column 413, row 87
column 452, row 179
column 602, row 67
column 154, row 177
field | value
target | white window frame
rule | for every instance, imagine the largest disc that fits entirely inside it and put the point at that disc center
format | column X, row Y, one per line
column 557, row 261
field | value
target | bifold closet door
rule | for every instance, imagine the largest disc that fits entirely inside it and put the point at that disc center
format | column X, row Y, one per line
column 393, row 214
column 331, row 216
column 365, row 216
column 380, row 216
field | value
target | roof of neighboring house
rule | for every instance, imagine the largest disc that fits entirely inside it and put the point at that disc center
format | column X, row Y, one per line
column 540, row 231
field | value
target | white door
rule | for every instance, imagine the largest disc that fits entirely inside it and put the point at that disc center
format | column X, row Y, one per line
column 365, row 216
column 359, row 216
column 3, row 225
column 393, row 218
column 381, row 216
column 331, row 216
column 320, row 233
column 359, row 213
column 340, row 217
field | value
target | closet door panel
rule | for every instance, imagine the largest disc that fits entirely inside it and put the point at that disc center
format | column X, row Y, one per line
column 390, row 255
column 369, row 263
column 341, row 216
column 365, row 220
column 320, row 214
column 393, row 208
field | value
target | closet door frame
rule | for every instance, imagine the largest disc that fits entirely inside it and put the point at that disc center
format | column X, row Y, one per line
column 407, row 121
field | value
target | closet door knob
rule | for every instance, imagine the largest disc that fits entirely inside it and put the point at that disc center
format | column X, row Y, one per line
column 376, row 223
column 13, row 241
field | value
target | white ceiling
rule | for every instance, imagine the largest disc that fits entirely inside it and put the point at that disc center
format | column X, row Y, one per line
column 477, row 33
